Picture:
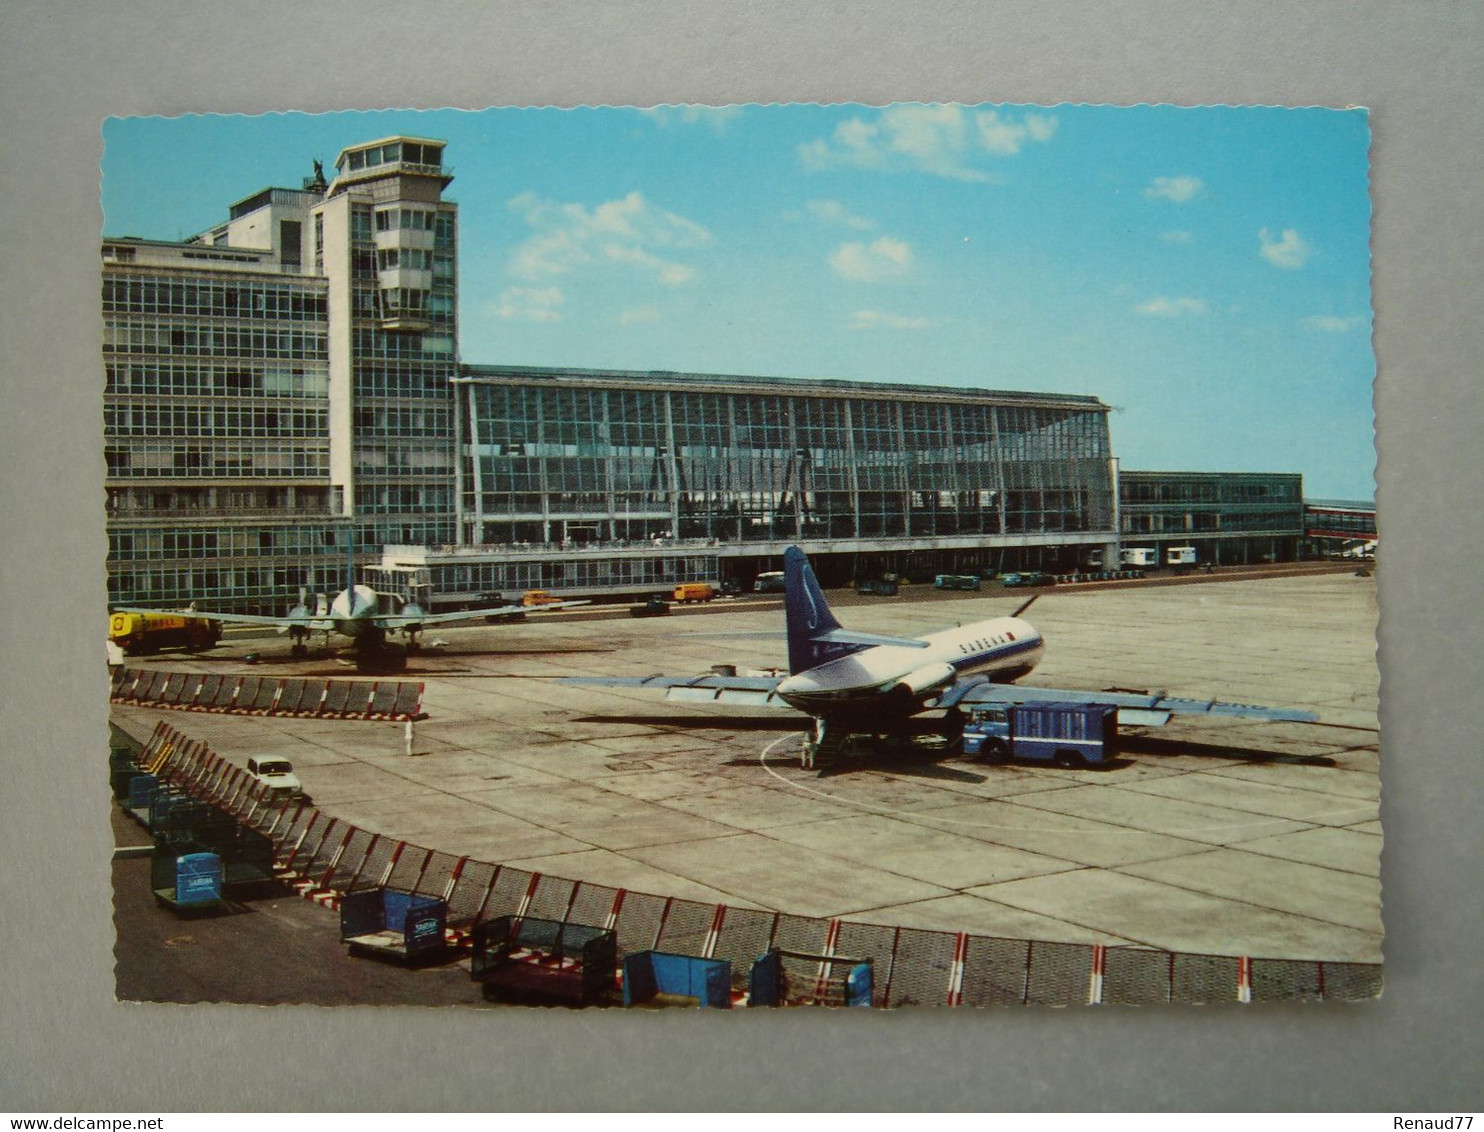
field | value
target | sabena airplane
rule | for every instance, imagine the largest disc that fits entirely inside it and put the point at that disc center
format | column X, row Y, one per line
column 855, row 683
column 361, row 613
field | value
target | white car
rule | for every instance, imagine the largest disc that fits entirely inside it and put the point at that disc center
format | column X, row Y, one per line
column 277, row 774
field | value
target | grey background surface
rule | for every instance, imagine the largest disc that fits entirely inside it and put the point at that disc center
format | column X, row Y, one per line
column 66, row 1046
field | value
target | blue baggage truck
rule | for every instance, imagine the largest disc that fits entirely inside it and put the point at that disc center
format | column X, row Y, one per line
column 1067, row 734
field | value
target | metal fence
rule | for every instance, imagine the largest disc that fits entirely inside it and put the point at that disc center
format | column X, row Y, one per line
column 328, row 857
column 268, row 695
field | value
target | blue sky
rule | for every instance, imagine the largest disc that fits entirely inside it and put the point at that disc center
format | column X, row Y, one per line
column 1205, row 271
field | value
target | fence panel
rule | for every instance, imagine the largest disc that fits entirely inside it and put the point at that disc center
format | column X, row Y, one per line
column 1059, row 974
column 336, row 694
column 509, row 893
column 357, row 697
column 592, row 905
column 995, row 971
column 207, row 692
column 468, row 896
column 351, row 861
column 437, row 874
column 408, row 870
column 1285, row 980
column 801, row 933
column 1204, row 978
column 409, row 701
column 686, row 927
column 377, row 863
column 1132, row 977
column 745, row 935
column 1349, row 981
column 919, row 973
column 313, row 865
column 875, row 942
column 550, row 900
column 639, row 921
column 263, row 695
column 383, row 700
column 290, row 692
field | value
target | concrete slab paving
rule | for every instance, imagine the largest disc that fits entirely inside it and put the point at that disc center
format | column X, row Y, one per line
column 910, row 850
column 979, row 916
column 1287, row 886
column 775, row 874
column 1139, row 809
column 1066, row 837
column 1348, row 850
column 1184, row 920
column 1259, row 798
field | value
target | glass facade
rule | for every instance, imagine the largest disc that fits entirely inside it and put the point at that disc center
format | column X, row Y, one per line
column 216, row 431
column 566, row 457
column 1235, row 517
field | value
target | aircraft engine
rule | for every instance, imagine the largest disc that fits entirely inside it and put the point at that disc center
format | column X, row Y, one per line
column 927, row 679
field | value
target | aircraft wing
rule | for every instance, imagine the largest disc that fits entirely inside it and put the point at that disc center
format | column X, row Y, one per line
column 305, row 622
column 401, row 621
column 749, row 691
column 1139, row 709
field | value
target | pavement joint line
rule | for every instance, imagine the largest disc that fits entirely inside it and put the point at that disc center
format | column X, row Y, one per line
column 1249, row 903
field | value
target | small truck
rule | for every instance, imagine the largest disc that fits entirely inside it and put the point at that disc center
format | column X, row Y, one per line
column 1067, row 734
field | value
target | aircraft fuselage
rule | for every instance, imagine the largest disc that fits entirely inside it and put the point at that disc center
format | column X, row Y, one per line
column 1004, row 648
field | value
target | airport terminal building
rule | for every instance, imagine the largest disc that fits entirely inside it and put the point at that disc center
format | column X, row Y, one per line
column 288, row 385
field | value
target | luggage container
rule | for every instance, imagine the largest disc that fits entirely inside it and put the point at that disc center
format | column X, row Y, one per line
column 544, row 961
column 657, row 979
column 393, row 924
column 185, row 882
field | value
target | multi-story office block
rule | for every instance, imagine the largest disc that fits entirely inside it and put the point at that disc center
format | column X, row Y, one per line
column 280, row 386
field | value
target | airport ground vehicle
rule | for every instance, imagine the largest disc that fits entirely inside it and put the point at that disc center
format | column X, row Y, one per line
column 534, row 598
column 1030, row 578
column 1139, row 557
column 956, row 581
column 694, row 591
column 1068, row 734
column 876, row 586
column 654, row 607
column 769, row 583
column 277, row 774
column 139, row 633
column 1180, row 556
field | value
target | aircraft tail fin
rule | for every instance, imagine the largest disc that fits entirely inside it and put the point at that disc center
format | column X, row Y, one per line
column 808, row 616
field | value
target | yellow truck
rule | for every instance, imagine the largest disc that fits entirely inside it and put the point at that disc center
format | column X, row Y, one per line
column 139, row 633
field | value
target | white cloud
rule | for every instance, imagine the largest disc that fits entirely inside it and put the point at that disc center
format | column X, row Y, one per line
column 1332, row 324
column 833, row 212
column 1177, row 189
column 884, row 320
column 940, row 139
column 669, row 273
column 717, row 117
column 639, row 315
column 870, row 263
column 1171, row 308
column 1179, row 236
column 530, row 304
column 565, row 237
column 1290, row 251
column 1004, row 137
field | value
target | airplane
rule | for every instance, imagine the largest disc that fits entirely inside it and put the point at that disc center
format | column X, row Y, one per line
column 853, row 683
column 358, row 612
